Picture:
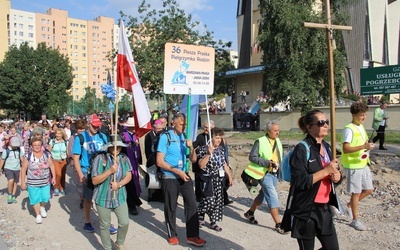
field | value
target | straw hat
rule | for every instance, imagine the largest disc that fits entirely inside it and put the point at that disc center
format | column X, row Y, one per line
column 130, row 122
column 111, row 140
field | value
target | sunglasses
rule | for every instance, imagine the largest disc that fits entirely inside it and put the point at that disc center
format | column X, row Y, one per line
column 321, row 123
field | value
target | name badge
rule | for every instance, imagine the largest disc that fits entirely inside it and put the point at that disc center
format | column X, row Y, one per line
column 221, row 173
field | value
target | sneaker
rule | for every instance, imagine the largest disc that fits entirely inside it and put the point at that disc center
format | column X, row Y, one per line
column 113, row 230
column 250, row 217
column 88, row 228
column 62, row 192
column 43, row 212
column 14, row 199
column 38, row 219
column 196, row 241
column 357, row 225
column 279, row 229
column 56, row 192
column 173, row 241
column 9, row 199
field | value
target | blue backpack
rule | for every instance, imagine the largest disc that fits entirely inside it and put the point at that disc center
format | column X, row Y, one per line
column 285, row 165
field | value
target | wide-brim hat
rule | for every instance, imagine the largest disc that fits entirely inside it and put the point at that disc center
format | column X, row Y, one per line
column 130, row 122
column 112, row 142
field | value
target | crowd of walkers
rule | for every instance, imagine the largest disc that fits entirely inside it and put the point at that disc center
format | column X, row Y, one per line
column 106, row 166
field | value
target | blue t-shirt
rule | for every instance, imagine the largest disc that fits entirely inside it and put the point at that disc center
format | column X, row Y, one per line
column 175, row 152
column 91, row 145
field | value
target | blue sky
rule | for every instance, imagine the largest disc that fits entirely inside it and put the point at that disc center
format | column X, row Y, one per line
column 218, row 15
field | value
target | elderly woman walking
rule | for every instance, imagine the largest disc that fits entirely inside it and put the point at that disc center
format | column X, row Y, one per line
column 213, row 169
column 35, row 174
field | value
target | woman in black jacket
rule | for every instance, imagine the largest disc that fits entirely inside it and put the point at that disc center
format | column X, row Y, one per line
column 313, row 174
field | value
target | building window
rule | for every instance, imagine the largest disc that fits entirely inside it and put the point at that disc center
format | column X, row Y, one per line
column 30, row 35
column 21, row 26
column 83, row 54
column 43, row 36
column 367, row 40
column 30, row 27
column 83, row 33
column 30, row 19
column 75, row 33
column 21, row 33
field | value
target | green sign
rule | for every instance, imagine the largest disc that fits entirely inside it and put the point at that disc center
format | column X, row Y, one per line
column 380, row 80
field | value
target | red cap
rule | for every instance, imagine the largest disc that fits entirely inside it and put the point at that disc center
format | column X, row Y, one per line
column 94, row 120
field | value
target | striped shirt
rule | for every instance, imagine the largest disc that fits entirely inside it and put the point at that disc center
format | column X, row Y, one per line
column 38, row 172
column 102, row 194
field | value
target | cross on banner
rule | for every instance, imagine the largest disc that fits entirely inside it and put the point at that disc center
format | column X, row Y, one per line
column 329, row 38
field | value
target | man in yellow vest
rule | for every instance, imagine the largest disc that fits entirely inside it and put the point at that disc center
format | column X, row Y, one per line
column 265, row 158
column 355, row 158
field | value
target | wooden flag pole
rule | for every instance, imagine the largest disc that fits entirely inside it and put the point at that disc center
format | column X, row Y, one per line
column 329, row 38
column 115, row 131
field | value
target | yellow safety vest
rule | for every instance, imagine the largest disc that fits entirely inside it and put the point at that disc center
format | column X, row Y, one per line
column 355, row 160
column 264, row 151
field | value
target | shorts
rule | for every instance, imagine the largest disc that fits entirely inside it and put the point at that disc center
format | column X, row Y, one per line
column 359, row 180
column 38, row 194
column 268, row 191
column 12, row 174
column 86, row 192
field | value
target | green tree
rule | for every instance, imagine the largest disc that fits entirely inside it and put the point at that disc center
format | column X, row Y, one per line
column 125, row 104
column 296, row 57
column 154, row 29
column 35, row 80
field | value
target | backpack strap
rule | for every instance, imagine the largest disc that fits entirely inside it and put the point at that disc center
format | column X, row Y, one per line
column 307, row 148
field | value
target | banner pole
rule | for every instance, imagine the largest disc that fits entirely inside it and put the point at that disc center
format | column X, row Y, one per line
column 188, row 137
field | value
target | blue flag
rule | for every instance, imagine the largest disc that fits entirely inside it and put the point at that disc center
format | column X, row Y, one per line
column 194, row 112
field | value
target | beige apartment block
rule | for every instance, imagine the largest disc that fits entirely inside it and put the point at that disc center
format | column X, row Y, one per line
column 23, row 28
column 85, row 42
column 100, row 44
column 5, row 6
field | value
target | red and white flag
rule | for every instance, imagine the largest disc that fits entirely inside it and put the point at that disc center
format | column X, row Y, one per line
column 128, row 79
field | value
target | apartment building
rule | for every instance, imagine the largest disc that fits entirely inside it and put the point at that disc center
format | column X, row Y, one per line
column 85, row 42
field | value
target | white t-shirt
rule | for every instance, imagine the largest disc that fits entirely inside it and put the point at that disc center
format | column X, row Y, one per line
column 348, row 134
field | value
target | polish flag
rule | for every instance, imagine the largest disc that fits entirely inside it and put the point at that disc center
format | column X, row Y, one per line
column 128, row 79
